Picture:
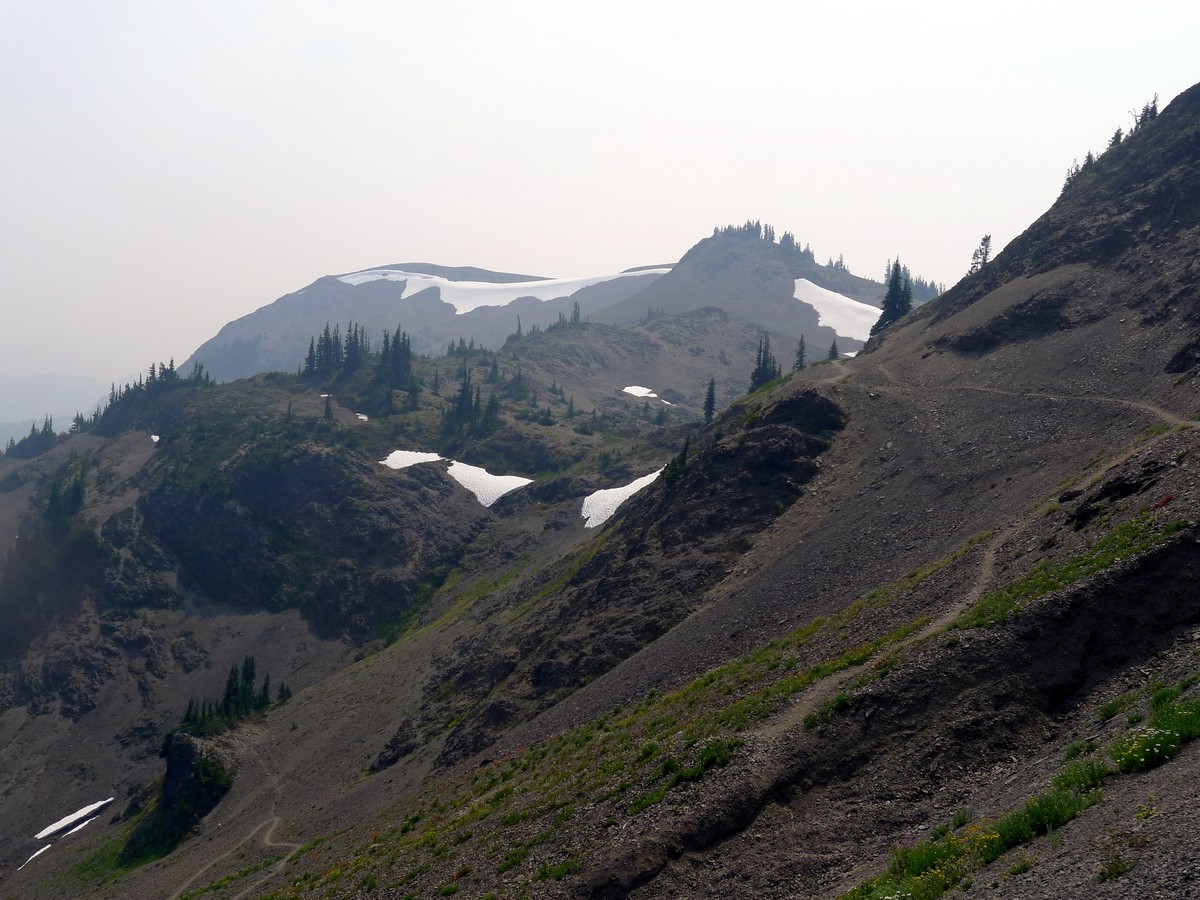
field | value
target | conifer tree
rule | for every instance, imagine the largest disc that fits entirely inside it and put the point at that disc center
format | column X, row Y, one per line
column 229, row 702
column 710, row 400
column 678, row 465
column 897, row 302
column 833, row 350
column 799, row 363
column 983, row 253
column 766, row 368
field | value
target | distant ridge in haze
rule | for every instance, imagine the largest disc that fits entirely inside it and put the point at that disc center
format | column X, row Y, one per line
column 744, row 272
column 439, row 305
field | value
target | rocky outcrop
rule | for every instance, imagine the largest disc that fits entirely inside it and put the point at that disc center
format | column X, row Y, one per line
column 197, row 776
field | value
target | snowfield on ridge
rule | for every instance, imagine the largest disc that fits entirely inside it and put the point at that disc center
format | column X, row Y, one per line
column 845, row 316
column 465, row 296
column 599, row 506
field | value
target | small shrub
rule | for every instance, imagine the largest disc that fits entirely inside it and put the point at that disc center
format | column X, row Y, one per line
column 909, row 862
column 1110, row 708
column 1181, row 718
column 1114, row 867
column 1020, row 867
column 1080, row 748
column 512, row 859
column 827, row 711
column 1144, row 749
column 716, row 753
column 961, row 818
column 668, row 766
column 558, row 872
column 1082, row 775
column 1162, row 696
column 647, row 800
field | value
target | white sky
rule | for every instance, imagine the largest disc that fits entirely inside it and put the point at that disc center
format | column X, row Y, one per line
column 168, row 167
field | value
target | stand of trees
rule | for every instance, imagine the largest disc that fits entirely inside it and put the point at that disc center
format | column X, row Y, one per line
column 1148, row 113
column 468, row 412
column 241, row 699
column 119, row 411
column 756, row 230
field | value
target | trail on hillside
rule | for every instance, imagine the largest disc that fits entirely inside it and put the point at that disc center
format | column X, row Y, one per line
column 1164, row 414
column 767, row 745
column 267, row 840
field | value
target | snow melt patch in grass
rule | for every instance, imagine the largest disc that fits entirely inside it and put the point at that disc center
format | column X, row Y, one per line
column 465, row 296
column 849, row 318
column 486, row 487
column 402, row 459
column 598, row 507
column 71, row 819
column 638, row 391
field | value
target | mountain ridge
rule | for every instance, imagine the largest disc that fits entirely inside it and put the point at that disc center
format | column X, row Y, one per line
column 879, row 603
column 275, row 336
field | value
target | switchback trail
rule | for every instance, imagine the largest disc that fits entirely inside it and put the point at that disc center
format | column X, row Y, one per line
column 267, row 827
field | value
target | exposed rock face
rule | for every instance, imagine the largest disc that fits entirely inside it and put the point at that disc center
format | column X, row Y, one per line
column 197, row 777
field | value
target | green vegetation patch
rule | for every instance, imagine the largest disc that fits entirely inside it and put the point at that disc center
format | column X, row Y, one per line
column 628, row 760
column 928, row 869
column 1127, row 539
column 714, row 754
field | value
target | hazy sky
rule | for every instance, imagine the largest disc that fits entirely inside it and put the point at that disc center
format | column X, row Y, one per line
column 166, row 167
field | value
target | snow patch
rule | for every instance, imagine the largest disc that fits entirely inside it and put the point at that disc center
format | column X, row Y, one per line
column 362, row 417
column 638, row 391
column 82, row 825
column 849, row 318
column 154, row 437
column 71, row 819
column 486, row 487
column 598, row 507
column 35, row 856
column 465, row 296
column 402, row 459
